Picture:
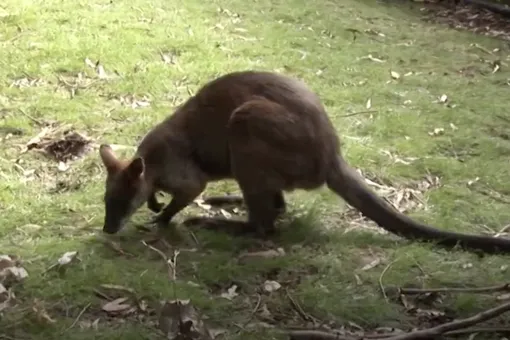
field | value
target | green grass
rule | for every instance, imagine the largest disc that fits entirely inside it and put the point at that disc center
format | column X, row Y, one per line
column 321, row 269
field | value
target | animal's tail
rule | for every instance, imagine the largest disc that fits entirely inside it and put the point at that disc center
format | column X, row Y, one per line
column 346, row 182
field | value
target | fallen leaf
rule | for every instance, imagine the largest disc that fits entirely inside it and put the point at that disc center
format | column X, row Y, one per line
column 201, row 204
column 467, row 265
column 496, row 66
column 62, row 166
column 225, row 213
column 372, row 264
column 101, row 73
column 271, row 286
column 503, row 297
column 180, row 320
column 394, row 75
column 369, row 104
column 471, row 182
column 371, row 58
column 166, row 58
column 41, row 313
column 436, row 132
column 230, row 293
column 116, row 306
column 67, row 258
column 89, row 63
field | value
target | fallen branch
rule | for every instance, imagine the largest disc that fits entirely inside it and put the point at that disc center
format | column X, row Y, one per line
column 454, row 325
column 451, row 328
column 414, row 291
column 316, row 335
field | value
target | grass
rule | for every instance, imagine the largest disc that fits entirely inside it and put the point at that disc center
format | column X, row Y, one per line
column 56, row 211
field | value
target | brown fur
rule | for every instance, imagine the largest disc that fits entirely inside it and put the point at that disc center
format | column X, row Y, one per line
column 271, row 134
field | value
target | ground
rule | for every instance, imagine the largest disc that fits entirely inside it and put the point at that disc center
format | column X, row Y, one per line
column 421, row 109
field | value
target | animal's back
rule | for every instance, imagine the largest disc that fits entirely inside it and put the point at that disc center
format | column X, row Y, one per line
column 203, row 119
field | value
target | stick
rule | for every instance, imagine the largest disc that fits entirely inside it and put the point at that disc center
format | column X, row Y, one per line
column 381, row 285
column 413, row 291
column 450, row 328
column 77, row 318
column 298, row 308
column 358, row 113
column 454, row 325
column 316, row 335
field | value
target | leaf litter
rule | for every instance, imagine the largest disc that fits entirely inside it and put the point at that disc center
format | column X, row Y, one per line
column 60, row 143
column 11, row 273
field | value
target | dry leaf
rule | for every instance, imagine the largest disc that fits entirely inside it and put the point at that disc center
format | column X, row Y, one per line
column 101, row 73
column 503, row 297
column 230, row 293
column 67, row 258
column 89, row 63
column 394, row 75
column 372, row 264
column 471, row 182
column 467, row 265
column 225, row 213
column 201, row 204
column 62, row 166
column 369, row 104
column 371, row 58
column 116, row 306
column 496, row 66
column 436, row 132
column 180, row 320
column 271, row 286
column 41, row 313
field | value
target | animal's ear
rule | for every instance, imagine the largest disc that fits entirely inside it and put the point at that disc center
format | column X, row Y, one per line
column 111, row 162
column 135, row 169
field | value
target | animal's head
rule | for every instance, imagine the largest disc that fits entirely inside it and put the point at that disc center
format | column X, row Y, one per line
column 126, row 189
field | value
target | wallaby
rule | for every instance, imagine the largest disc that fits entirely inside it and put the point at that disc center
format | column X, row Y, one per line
column 268, row 132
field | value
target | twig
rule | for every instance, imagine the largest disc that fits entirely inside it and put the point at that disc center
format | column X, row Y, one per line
column 257, row 305
column 298, row 308
column 316, row 335
column 77, row 318
column 450, row 328
column 35, row 120
column 454, row 325
column 163, row 256
column 381, row 279
column 479, row 330
column 502, row 231
column 413, row 291
column 358, row 113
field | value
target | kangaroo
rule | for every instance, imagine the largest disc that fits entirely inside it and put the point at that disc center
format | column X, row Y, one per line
column 271, row 134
